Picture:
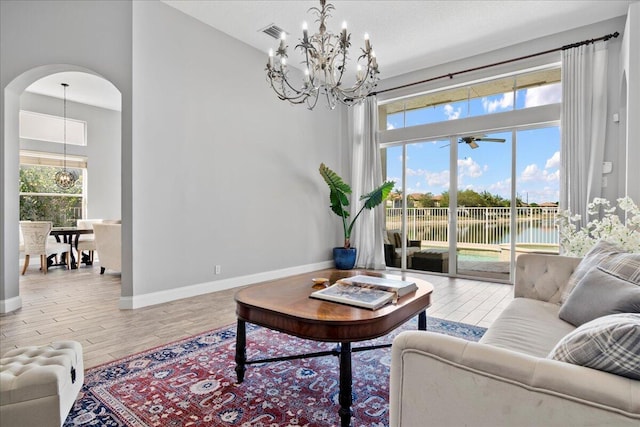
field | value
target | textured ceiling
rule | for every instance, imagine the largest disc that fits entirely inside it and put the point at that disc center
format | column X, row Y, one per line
column 406, row 35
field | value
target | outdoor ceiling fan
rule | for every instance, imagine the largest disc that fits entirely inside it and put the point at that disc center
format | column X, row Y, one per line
column 472, row 140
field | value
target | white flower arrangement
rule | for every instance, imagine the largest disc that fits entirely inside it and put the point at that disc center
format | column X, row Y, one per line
column 607, row 226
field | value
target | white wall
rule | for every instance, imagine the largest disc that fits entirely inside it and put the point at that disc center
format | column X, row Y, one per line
column 102, row 150
column 224, row 173
column 215, row 169
column 92, row 37
column 630, row 65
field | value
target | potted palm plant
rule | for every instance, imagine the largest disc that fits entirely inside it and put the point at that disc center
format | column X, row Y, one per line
column 339, row 191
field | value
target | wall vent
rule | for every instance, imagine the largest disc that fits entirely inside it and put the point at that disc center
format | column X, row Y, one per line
column 273, row 31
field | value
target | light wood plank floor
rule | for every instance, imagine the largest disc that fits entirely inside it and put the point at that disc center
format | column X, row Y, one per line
column 82, row 305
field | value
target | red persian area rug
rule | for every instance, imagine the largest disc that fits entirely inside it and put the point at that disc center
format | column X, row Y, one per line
column 192, row 382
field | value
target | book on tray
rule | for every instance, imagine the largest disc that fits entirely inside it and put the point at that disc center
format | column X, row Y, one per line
column 365, row 291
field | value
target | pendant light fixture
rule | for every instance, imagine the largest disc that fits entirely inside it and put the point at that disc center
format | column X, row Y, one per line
column 65, row 178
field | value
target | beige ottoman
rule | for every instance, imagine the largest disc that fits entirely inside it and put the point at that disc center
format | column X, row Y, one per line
column 38, row 385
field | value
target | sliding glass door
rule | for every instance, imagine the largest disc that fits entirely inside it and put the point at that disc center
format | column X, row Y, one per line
column 468, row 205
column 484, row 204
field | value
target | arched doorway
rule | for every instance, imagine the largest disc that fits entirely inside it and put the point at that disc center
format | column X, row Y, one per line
column 13, row 96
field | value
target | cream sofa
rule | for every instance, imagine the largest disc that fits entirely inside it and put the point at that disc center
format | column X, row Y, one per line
column 506, row 378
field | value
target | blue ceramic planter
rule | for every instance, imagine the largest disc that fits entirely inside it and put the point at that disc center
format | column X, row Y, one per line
column 345, row 258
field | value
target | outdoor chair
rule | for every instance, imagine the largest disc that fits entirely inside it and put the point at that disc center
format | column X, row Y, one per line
column 37, row 242
column 393, row 248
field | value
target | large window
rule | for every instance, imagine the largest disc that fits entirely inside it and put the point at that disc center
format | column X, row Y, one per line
column 475, row 204
column 41, row 199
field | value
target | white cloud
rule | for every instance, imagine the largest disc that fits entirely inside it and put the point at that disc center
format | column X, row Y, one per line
column 530, row 173
column 502, row 188
column 412, row 172
column 554, row 161
column 452, row 113
column 533, row 173
column 553, row 176
column 468, row 167
column 543, row 95
column 506, row 101
column 437, row 179
column 390, row 126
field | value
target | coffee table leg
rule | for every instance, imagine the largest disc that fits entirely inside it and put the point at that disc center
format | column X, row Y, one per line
column 241, row 350
column 422, row 321
column 345, row 384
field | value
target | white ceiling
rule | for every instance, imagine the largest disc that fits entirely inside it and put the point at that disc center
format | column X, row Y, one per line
column 406, row 35
column 83, row 88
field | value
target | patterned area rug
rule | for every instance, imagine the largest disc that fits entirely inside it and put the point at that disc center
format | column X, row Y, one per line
column 193, row 383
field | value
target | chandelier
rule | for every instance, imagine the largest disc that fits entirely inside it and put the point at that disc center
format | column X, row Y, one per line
column 324, row 66
column 65, row 178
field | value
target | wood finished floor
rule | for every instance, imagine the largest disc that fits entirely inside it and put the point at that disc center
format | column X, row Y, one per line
column 82, row 305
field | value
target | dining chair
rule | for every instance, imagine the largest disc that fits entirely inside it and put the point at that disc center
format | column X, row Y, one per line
column 36, row 242
column 86, row 242
column 108, row 245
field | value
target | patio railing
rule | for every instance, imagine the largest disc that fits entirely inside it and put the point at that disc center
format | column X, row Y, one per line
column 481, row 226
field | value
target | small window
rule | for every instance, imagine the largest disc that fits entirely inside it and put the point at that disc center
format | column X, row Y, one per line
column 509, row 93
column 43, row 127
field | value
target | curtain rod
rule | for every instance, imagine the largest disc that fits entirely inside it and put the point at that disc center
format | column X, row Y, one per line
column 450, row 75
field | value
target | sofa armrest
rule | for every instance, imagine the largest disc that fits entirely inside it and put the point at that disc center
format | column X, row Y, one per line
column 439, row 380
column 543, row 277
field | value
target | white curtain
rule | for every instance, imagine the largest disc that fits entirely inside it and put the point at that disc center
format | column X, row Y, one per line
column 584, row 118
column 366, row 175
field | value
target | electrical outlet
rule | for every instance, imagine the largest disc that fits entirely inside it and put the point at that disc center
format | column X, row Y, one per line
column 218, row 269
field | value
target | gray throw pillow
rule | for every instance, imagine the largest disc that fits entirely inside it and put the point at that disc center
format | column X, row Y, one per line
column 598, row 294
column 601, row 251
column 625, row 266
column 609, row 343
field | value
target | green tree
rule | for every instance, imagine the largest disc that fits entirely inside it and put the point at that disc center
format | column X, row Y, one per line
column 48, row 202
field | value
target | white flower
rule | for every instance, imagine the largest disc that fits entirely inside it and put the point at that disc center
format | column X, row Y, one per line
column 622, row 228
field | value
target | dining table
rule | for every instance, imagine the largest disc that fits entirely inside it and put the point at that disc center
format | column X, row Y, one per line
column 71, row 236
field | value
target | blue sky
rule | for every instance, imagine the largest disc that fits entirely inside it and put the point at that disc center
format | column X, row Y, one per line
column 488, row 167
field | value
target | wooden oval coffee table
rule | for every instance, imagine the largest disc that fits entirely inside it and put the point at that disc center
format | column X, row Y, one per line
column 284, row 305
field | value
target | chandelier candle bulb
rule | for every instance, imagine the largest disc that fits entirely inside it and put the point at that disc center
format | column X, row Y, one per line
column 305, row 33
column 270, row 58
column 282, row 48
column 367, row 43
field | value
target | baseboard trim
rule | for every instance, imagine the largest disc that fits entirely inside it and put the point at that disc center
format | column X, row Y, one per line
column 153, row 298
column 11, row 304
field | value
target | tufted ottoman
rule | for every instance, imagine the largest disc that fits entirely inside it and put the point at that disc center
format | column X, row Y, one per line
column 38, row 385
